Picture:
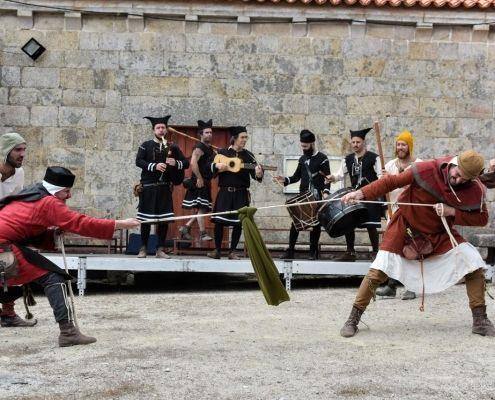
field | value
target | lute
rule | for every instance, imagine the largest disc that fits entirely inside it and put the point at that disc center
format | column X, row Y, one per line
column 235, row 164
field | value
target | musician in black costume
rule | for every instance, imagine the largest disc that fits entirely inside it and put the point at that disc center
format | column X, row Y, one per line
column 162, row 164
column 233, row 190
column 363, row 167
column 198, row 194
column 312, row 168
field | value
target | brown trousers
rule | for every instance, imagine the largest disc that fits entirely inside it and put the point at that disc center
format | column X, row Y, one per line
column 475, row 288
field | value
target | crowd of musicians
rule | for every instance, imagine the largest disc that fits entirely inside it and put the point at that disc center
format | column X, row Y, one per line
column 420, row 247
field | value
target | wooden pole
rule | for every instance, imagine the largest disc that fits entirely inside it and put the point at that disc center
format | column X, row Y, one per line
column 376, row 128
column 172, row 130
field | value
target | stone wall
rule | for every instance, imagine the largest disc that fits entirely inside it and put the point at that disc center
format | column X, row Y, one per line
column 81, row 104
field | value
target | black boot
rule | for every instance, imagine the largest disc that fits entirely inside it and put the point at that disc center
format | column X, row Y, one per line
column 350, row 327
column 313, row 254
column 288, row 254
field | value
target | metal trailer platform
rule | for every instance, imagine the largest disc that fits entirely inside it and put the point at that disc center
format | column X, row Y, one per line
column 84, row 263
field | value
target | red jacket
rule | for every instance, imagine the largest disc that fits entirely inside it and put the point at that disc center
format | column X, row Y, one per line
column 21, row 221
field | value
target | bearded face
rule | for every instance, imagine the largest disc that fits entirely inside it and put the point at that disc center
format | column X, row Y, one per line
column 402, row 150
column 16, row 156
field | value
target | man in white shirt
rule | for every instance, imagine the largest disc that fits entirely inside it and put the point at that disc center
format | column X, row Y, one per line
column 404, row 144
column 12, row 152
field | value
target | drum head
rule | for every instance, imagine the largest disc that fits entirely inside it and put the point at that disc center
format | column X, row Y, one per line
column 347, row 222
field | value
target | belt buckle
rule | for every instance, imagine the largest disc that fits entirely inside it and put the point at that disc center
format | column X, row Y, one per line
column 231, row 189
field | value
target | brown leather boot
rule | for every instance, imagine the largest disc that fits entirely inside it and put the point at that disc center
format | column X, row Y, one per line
column 350, row 327
column 71, row 336
column 7, row 321
column 481, row 324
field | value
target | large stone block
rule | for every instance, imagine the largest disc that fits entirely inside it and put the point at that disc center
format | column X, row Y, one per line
column 97, row 23
column 473, row 51
column 267, row 44
column 441, row 33
column 44, row 116
column 65, row 40
column 111, row 136
column 11, row 76
column 195, row 64
column 461, row 34
column 89, row 40
column 296, row 46
column 71, row 137
column 241, row 44
column 448, row 51
column 95, row 59
column 205, row 44
column 370, row 105
column 380, row 31
column 330, row 105
column 4, row 95
column 141, row 60
column 151, row 41
column 364, row 67
column 238, row 88
column 77, row 78
column 206, row 87
column 48, row 22
column 157, row 86
column 359, row 48
column 475, row 108
column 327, row 47
column 333, row 29
column 14, row 115
column 163, row 26
column 40, row 77
column 77, row 116
column 271, row 29
column 287, row 123
column 108, row 114
column 438, row 107
column 84, row 98
column 423, row 51
column 273, row 84
column 120, row 41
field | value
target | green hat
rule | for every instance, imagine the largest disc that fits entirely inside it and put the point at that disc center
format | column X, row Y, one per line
column 7, row 142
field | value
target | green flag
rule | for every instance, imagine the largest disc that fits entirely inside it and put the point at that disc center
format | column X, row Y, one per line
column 263, row 265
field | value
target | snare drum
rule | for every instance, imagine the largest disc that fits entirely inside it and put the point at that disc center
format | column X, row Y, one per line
column 338, row 218
column 304, row 216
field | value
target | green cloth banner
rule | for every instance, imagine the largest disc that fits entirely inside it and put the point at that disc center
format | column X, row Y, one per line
column 263, row 265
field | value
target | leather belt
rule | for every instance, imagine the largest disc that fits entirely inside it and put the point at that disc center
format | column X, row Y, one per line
column 233, row 189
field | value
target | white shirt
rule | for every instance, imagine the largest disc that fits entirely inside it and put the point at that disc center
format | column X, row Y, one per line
column 12, row 185
column 392, row 167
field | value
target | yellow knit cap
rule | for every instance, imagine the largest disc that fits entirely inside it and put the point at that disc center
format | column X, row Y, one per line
column 471, row 163
column 406, row 136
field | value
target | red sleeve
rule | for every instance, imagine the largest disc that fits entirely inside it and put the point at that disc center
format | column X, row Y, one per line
column 386, row 184
column 471, row 218
column 56, row 213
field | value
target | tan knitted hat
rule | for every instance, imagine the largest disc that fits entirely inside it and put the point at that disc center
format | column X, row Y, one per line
column 471, row 163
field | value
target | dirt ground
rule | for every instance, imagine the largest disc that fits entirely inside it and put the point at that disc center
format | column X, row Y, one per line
column 228, row 344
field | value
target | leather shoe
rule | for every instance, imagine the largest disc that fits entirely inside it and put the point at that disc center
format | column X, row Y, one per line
column 16, row 322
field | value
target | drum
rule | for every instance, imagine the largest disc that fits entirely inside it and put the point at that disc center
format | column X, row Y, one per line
column 338, row 218
column 304, row 216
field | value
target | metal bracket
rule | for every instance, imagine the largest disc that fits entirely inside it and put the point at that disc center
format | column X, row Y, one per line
column 81, row 276
column 288, row 274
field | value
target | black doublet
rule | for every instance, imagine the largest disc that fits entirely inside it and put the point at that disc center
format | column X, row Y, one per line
column 155, row 200
column 195, row 197
column 233, row 187
column 319, row 167
column 362, row 172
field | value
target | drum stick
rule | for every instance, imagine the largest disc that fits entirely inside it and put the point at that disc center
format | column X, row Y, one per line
column 376, row 128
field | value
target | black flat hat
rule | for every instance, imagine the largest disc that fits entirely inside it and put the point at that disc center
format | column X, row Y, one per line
column 307, row 136
column 236, row 130
column 361, row 133
column 158, row 120
column 59, row 176
column 203, row 125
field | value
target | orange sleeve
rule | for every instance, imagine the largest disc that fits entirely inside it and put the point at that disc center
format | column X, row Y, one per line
column 386, row 184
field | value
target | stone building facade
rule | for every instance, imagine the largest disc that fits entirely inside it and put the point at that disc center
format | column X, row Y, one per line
column 277, row 66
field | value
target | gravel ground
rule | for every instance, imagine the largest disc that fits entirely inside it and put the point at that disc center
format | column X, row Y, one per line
column 231, row 345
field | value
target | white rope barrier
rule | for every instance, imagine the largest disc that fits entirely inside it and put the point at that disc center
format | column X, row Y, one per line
column 182, row 217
